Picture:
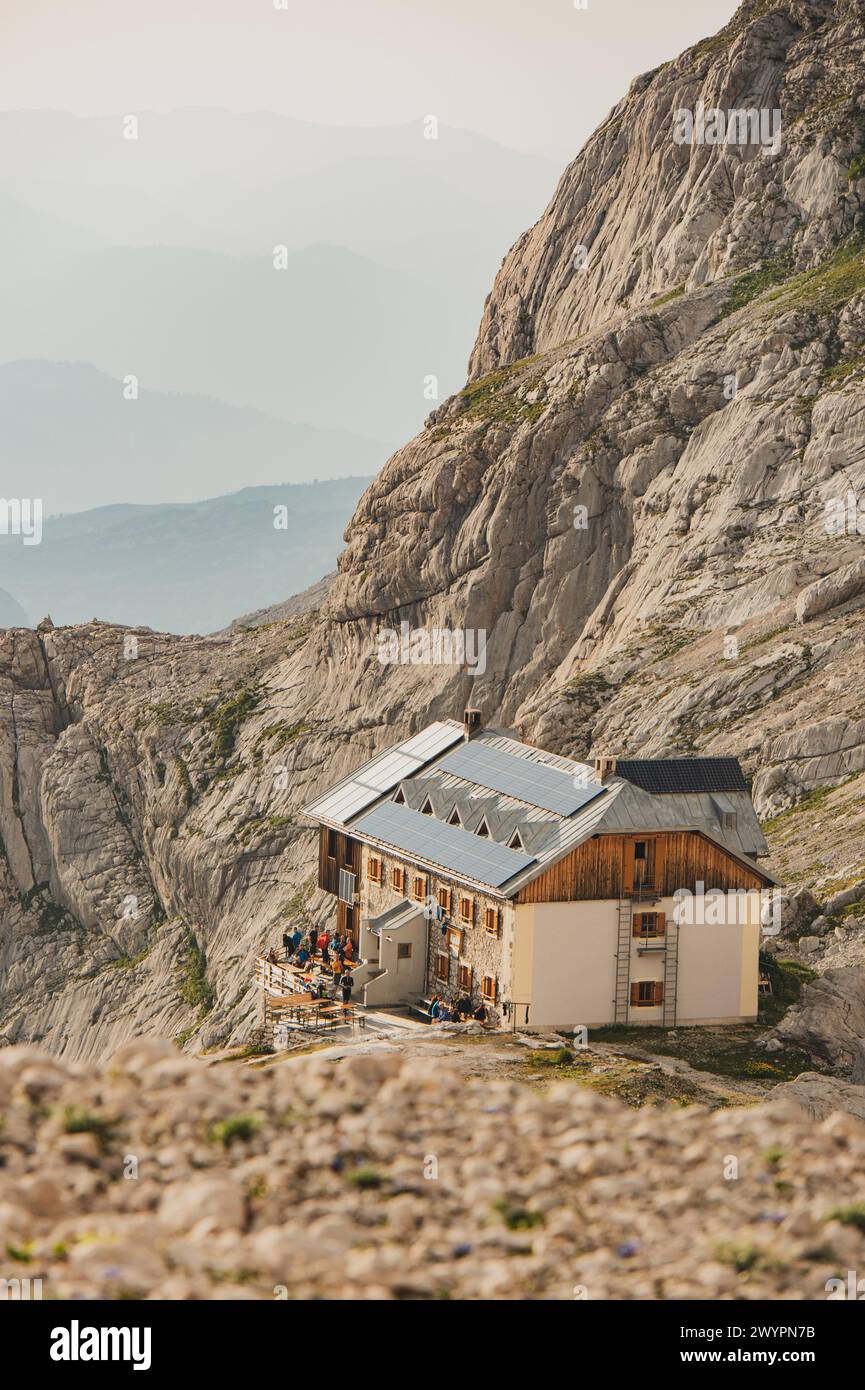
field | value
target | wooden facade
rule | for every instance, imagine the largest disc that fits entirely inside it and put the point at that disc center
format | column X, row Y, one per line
column 337, row 851
column 618, row 866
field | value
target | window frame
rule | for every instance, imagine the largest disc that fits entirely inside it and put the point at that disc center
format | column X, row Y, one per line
column 468, row 919
column 658, row 931
column 656, row 988
column 489, row 997
column 495, row 929
column 443, row 977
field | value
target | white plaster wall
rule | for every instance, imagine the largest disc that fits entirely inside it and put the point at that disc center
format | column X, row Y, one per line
column 564, row 961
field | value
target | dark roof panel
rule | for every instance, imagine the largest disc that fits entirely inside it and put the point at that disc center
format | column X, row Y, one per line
column 659, row 775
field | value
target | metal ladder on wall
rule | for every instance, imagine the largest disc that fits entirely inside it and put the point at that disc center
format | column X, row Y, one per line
column 623, row 961
column 671, row 971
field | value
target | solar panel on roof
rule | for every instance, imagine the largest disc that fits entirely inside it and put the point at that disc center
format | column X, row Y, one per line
column 446, row 845
column 384, row 771
column 659, row 775
column 537, row 783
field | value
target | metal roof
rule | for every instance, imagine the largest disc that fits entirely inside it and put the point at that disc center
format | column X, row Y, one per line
column 440, row 843
column 382, row 773
column 462, row 780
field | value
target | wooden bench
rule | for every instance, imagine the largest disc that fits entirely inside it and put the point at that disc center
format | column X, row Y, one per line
column 422, row 1008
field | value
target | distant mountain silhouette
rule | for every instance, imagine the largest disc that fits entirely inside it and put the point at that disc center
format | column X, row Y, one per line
column 180, row 568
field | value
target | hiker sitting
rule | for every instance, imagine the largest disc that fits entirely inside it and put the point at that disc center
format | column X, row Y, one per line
column 463, row 1009
column 480, row 1013
column 302, row 957
column 273, row 957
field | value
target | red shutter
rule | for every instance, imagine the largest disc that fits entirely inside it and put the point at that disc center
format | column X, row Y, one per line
column 659, row 992
column 635, row 993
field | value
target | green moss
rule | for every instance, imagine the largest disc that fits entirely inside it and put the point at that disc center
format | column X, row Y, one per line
column 808, row 802
column 754, row 283
column 129, row 962
column 225, row 719
column 561, row 1057
column 853, row 1215
column 184, row 779
column 240, row 1126
column 78, row 1120
column 835, row 376
column 21, row 1254
column 745, row 1257
column 668, row 298
column 517, row 1218
column 830, row 284
column 488, row 399
column 282, row 733
column 856, row 168
column 195, row 988
column 365, row 1178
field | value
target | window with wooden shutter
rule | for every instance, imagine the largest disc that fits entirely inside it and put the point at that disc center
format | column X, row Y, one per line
column 397, row 879
column 467, row 909
column 466, row 977
column 455, row 938
column 491, row 920
column 649, row 925
column 374, row 870
column 489, row 988
column 444, row 897
column 418, row 887
column 442, row 968
column 645, row 993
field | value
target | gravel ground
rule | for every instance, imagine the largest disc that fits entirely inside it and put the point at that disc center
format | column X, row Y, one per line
column 392, row 1176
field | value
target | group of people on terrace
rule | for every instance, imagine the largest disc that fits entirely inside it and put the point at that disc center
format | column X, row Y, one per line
column 334, row 953
column 462, row 1011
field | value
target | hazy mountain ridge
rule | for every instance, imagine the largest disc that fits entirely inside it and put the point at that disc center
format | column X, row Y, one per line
column 182, row 567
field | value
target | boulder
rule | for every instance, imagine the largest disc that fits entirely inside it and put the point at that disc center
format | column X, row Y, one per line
column 829, row 1021
column 832, row 591
column 820, row 1095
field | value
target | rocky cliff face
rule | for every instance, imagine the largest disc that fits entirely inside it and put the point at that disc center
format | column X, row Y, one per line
column 650, row 498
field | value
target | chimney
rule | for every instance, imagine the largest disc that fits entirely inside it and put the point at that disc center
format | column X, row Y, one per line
column 471, row 723
column 605, row 768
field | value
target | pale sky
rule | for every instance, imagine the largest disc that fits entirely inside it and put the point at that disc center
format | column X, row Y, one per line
column 534, row 74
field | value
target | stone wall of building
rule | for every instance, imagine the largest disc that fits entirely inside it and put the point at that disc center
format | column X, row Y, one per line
column 476, row 948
